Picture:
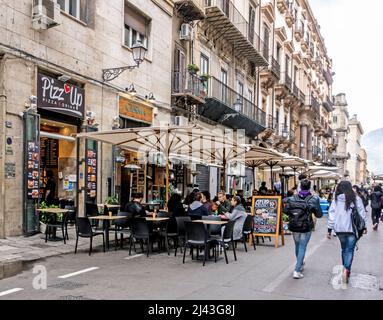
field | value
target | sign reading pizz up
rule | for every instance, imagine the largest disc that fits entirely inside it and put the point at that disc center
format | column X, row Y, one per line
column 267, row 212
column 57, row 96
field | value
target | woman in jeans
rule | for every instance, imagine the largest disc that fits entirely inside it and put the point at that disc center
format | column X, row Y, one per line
column 340, row 221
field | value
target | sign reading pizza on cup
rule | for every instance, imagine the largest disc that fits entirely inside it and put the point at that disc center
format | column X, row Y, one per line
column 57, row 96
column 267, row 212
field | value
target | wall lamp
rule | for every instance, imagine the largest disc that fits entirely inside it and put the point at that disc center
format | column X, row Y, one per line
column 150, row 97
column 131, row 90
column 138, row 52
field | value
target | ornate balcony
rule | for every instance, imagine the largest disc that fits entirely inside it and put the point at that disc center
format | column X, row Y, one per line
column 228, row 23
column 299, row 30
column 289, row 17
column 283, row 6
column 188, row 88
column 228, row 107
column 191, row 10
column 328, row 104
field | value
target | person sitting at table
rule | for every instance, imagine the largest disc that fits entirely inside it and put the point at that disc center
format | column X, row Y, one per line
column 135, row 207
column 238, row 215
column 196, row 208
column 206, row 200
column 175, row 207
column 223, row 203
column 214, row 209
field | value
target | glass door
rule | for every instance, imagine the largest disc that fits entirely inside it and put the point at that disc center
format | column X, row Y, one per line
column 31, row 172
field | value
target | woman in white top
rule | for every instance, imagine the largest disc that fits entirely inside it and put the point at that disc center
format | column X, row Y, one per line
column 340, row 221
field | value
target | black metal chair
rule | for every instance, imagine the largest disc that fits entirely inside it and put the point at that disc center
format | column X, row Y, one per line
column 248, row 230
column 91, row 209
column 227, row 238
column 53, row 224
column 122, row 226
column 170, row 232
column 214, row 230
column 70, row 217
column 181, row 232
column 141, row 232
column 114, row 211
column 197, row 237
column 195, row 217
column 84, row 230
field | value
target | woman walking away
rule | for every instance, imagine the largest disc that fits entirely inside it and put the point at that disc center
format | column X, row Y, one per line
column 376, row 205
column 341, row 222
column 300, row 209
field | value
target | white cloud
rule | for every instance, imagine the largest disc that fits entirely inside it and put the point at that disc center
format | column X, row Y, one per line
column 351, row 30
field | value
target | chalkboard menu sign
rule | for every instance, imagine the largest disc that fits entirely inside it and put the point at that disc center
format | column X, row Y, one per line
column 33, row 170
column 267, row 213
column 49, row 153
column 91, row 170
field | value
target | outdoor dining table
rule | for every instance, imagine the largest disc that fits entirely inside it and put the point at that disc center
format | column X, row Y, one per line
column 106, row 223
column 55, row 212
column 208, row 222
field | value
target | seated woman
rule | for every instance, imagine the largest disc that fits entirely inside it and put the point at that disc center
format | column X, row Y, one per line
column 238, row 215
column 196, row 208
column 175, row 206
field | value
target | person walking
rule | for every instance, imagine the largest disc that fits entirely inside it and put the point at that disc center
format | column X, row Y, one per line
column 376, row 206
column 340, row 220
column 300, row 209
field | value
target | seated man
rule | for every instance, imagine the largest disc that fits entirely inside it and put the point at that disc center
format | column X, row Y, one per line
column 135, row 206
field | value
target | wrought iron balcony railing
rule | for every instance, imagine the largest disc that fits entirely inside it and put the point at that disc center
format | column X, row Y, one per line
column 275, row 68
column 187, row 83
column 272, row 123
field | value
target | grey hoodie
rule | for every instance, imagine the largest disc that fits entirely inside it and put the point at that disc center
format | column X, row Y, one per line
column 339, row 219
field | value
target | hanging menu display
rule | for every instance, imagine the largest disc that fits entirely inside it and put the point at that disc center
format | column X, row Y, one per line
column 49, row 153
column 33, row 170
column 91, row 170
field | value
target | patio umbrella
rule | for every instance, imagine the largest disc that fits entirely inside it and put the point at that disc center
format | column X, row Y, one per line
column 187, row 141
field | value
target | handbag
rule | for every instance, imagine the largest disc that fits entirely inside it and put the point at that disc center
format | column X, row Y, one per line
column 358, row 223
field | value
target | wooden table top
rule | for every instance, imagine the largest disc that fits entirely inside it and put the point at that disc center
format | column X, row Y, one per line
column 53, row 210
column 108, row 205
column 156, row 219
column 105, row 217
column 211, row 222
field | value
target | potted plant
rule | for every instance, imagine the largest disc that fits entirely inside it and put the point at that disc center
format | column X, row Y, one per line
column 193, row 68
column 285, row 219
column 204, row 77
column 44, row 217
column 112, row 200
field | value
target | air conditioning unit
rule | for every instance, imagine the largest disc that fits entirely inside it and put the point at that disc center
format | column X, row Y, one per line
column 186, row 32
column 45, row 14
column 180, row 121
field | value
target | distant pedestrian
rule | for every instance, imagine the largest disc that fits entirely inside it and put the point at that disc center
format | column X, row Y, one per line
column 340, row 221
column 300, row 209
column 376, row 206
column 263, row 189
column 360, row 194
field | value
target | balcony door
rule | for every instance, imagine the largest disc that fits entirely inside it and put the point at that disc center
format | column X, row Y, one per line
column 205, row 70
column 226, row 7
column 179, row 70
column 224, row 93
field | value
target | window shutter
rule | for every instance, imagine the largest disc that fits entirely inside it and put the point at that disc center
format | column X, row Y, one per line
column 135, row 20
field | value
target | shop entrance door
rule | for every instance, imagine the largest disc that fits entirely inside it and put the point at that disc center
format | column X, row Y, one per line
column 31, row 172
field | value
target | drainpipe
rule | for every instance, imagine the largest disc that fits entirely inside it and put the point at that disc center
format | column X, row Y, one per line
column 3, row 108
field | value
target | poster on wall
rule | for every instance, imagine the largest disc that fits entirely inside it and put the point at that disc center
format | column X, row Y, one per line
column 91, row 170
column 33, row 170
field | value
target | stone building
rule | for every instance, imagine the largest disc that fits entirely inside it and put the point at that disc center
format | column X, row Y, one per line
column 354, row 149
column 52, row 65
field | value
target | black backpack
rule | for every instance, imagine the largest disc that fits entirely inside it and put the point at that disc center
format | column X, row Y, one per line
column 358, row 224
column 299, row 215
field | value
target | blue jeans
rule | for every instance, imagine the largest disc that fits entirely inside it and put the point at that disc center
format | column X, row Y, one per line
column 301, row 241
column 348, row 243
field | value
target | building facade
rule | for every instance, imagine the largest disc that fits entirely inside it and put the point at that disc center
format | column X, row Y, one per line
column 52, row 87
column 340, row 120
column 354, row 149
column 364, row 174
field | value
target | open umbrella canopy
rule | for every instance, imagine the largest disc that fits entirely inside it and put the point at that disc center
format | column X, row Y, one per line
column 256, row 156
column 189, row 142
column 325, row 174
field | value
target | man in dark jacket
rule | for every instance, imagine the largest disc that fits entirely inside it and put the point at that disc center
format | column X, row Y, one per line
column 300, row 209
column 135, row 206
column 196, row 208
column 376, row 206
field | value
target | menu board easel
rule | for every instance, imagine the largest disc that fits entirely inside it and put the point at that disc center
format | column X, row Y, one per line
column 267, row 212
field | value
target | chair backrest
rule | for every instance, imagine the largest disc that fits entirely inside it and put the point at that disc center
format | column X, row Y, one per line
column 195, row 217
column 83, row 226
column 181, row 225
column 248, row 224
column 171, row 225
column 72, row 214
column 91, row 209
column 214, row 229
column 195, row 231
column 163, row 214
column 140, row 227
column 123, row 223
column 228, row 230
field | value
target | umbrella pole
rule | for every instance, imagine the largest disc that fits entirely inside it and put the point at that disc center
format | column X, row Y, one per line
column 255, row 178
column 295, row 177
column 167, row 181
column 271, row 177
column 283, row 182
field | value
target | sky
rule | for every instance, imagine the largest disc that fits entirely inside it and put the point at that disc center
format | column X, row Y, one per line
column 352, row 31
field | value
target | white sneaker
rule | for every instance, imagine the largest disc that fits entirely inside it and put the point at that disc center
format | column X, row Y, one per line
column 297, row 275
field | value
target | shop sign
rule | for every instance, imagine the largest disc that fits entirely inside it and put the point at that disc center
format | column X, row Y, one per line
column 10, row 170
column 135, row 110
column 57, row 96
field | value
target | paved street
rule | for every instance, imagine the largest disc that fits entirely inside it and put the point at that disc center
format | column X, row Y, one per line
column 262, row 274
